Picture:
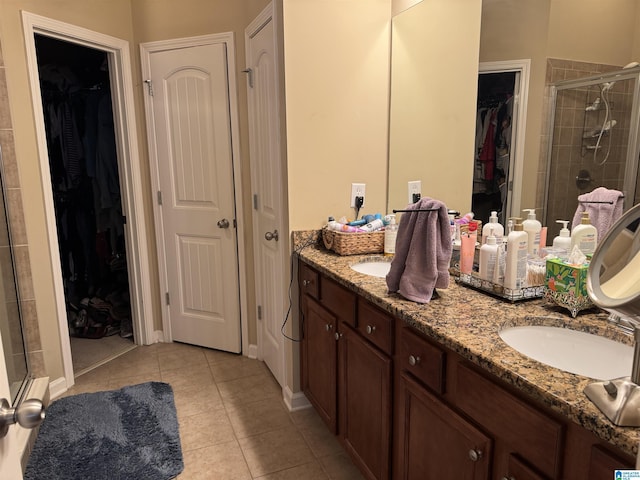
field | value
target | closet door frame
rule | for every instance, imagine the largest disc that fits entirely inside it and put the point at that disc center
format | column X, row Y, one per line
column 117, row 51
column 523, row 66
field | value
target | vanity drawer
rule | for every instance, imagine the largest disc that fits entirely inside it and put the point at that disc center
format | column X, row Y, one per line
column 339, row 301
column 422, row 359
column 309, row 281
column 375, row 325
column 534, row 436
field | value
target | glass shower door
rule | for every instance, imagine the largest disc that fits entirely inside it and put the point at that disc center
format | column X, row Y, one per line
column 594, row 133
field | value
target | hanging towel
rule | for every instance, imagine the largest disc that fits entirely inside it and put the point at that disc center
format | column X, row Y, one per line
column 602, row 215
column 423, row 252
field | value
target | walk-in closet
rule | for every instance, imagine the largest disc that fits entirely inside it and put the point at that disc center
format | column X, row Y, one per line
column 77, row 107
column 493, row 152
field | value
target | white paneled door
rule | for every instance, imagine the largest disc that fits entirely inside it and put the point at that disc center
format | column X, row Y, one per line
column 270, row 239
column 189, row 95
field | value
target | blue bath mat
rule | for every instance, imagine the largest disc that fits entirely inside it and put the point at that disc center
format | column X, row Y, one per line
column 131, row 433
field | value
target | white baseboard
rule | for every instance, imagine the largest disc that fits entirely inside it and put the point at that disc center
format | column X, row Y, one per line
column 57, row 387
column 294, row 401
column 252, row 351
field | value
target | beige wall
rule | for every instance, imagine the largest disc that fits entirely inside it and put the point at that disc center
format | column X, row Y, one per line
column 112, row 17
column 135, row 21
column 337, row 87
column 433, row 101
column 582, row 30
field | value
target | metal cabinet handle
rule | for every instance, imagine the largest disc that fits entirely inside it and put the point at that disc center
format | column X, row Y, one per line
column 413, row 361
column 328, row 327
column 28, row 414
column 337, row 335
column 370, row 329
column 271, row 235
column 224, row 223
column 475, row 455
column 306, row 283
column 509, row 477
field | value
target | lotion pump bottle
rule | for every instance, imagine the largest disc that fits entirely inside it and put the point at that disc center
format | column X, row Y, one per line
column 515, row 273
column 493, row 226
column 390, row 234
column 533, row 227
column 585, row 235
column 488, row 256
column 563, row 240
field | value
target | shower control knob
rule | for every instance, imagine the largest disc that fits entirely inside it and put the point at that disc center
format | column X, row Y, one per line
column 28, row 414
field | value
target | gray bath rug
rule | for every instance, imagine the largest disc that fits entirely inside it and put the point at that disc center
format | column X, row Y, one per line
column 131, row 433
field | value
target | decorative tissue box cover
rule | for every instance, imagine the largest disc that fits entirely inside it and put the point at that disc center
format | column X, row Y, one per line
column 566, row 285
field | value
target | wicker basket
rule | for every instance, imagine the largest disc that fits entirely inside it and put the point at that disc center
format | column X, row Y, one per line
column 353, row 243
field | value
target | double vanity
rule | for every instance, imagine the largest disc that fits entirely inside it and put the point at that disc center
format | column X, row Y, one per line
column 432, row 391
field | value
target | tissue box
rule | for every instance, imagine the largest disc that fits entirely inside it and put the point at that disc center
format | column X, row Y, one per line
column 566, row 285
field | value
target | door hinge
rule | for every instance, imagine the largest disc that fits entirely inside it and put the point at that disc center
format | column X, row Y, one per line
column 255, row 201
column 124, row 219
column 149, row 86
column 249, row 72
column 159, row 197
column 259, row 312
column 167, row 299
column 235, row 224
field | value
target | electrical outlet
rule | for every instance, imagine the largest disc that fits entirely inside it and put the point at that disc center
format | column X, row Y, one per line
column 357, row 190
column 415, row 188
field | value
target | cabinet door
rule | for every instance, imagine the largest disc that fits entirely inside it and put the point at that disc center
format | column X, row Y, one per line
column 319, row 353
column 365, row 404
column 435, row 442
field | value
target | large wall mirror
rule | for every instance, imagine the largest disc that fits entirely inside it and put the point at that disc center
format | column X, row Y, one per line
column 13, row 343
column 587, row 35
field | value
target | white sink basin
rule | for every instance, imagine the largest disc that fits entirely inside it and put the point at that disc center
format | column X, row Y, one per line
column 378, row 268
column 572, row 351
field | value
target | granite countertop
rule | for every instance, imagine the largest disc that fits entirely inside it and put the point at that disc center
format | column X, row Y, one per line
column 468, row 322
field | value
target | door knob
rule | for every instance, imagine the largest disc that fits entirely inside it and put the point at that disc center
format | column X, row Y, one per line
column 271, row 235
column 224, row 223
column 28, row 414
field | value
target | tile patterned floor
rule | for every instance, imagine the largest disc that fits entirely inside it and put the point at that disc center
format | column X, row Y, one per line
column 233, row 423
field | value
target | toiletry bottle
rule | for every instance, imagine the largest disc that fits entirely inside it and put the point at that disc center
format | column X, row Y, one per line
column 515, row 273
column 488, row 256
column 390, row 233
column 467, row 252
column 585, row 235
column 563, row 240
column 495, row 226
column 532, row 227
column 377, row 224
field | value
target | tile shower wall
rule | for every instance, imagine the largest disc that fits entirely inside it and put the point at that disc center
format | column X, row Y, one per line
column 18, row 232
column 571, row 152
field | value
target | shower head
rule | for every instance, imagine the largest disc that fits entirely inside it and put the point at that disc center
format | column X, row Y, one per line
column 609, row 85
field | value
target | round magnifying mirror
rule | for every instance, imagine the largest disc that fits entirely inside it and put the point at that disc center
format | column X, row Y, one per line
column 613, row 281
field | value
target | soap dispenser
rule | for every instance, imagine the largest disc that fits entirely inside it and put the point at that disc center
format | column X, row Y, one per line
column 585, row 235
column 493, row 226
column 515, row 274
column 390, row 234
column 533, row 227
column 488, row 257
column 563, row 240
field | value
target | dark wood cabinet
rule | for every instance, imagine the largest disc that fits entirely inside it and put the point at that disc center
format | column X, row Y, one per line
column 365, row 404
column 319, row 373
column 406, row 407
column 434, row 441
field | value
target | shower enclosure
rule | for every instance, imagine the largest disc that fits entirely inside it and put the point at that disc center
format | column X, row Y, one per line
column 593, row 133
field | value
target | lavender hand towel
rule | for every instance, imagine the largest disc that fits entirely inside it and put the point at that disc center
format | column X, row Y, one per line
column 602, row 215
column 423, row 252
